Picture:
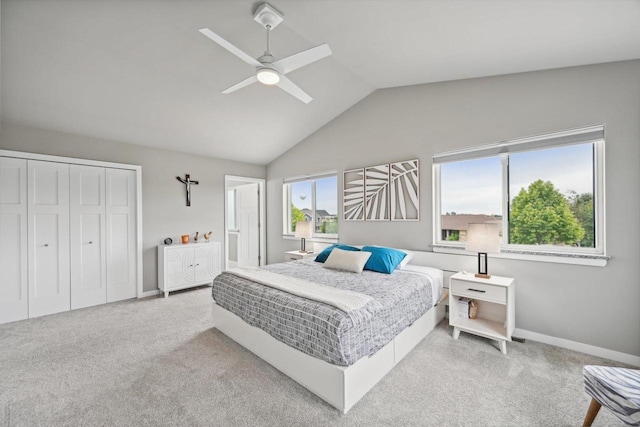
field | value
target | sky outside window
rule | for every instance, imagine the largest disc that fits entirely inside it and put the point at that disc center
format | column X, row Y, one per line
column 569, row 168
column 472, row 187
column 301, row 194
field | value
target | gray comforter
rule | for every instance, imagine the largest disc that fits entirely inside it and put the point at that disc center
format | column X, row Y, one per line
column 321, row 330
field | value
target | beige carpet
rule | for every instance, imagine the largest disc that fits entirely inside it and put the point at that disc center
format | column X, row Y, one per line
column 159, row 362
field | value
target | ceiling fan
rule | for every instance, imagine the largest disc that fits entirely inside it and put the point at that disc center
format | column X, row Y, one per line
column 268, row 71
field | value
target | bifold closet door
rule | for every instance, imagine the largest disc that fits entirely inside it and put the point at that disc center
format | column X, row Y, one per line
column 48, row 236
column 121, row 234
column 14, row 299
column 88, row 229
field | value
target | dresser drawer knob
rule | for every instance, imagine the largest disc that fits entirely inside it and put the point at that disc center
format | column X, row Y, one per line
column 476, row 290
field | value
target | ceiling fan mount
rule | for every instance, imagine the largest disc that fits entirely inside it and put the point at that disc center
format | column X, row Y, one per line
column 268, row 71
column 267, row 16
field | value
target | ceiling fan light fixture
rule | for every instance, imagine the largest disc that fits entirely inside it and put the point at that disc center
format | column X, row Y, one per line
column 267, row 76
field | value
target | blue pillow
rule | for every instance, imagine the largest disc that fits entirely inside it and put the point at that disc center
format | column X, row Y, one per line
column 322, row 256
column 383, row 260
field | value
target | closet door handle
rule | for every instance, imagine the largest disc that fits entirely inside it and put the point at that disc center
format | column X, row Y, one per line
column 46, row 245
column 90, row 242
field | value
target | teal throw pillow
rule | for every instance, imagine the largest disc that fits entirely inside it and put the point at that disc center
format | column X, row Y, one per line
column 383, row 260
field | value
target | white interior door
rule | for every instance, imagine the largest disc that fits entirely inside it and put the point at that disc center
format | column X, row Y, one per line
column 248, row 217
column 121, row 234
column 88, row 246
column 48, row 236
column 14, row 301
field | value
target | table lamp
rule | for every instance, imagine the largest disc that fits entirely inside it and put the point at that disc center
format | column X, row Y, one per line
column 483, row 238
column 304, row 231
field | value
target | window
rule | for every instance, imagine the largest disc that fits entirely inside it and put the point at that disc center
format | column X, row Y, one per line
column 546, row 193
column 313, row 199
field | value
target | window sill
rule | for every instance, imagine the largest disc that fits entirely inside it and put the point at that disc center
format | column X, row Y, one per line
column 593, row 260
column 312, row 239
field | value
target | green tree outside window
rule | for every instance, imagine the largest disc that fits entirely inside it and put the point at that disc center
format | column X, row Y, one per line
column 541, row 215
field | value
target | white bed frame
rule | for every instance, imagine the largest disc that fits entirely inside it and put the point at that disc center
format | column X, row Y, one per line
column 340, row 386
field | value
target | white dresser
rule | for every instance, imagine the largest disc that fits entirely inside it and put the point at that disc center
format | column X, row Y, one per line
column 183, row 266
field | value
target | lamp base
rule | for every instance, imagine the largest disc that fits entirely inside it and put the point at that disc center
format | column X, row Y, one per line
column 483, row 276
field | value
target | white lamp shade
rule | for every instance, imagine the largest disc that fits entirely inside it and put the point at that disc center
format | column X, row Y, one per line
column 483, row 238
column 303, row 229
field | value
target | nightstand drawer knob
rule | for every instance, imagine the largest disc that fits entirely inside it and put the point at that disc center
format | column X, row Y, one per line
column 476, row 290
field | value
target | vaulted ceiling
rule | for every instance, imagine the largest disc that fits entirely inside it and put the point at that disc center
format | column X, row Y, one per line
column 139, row 71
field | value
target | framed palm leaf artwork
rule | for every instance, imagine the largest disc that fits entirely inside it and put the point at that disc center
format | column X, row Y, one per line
column 376, row 201
column 353, row 195
column 404, row 180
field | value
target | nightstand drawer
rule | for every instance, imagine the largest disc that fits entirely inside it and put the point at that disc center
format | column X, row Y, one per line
column 483, row 291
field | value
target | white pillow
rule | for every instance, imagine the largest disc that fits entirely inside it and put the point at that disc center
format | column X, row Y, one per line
column 347, row 260
column 406, row 259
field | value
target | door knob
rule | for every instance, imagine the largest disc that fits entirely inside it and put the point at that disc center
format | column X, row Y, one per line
column 46, row 245
column 90, row 242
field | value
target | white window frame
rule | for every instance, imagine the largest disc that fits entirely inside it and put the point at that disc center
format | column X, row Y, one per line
column 286, row 206
column 551, row 253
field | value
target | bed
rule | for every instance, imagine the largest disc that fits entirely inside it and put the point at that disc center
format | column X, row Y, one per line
column 338, row 354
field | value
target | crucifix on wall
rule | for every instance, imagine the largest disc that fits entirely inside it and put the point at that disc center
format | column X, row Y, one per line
column 187, row 182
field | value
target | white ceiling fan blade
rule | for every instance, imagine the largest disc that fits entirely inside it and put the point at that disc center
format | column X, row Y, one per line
column 300, row 59
column 293, row 89
column 231, row 48
column 245, row 82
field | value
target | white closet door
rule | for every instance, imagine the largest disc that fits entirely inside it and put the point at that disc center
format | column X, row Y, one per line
column 48, row 235
column 14, row 301
column 121, row 234
column 88, row 245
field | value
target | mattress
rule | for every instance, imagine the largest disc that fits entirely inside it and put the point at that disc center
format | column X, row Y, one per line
column 321, row 330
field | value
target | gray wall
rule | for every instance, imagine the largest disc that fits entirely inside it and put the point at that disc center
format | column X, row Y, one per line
column 598, row 306
column 163, row 197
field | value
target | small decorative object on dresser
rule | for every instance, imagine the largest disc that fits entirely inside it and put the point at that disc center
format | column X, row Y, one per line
column 187, row 265
column 185, row 238
column 195, row 238
column 494, row 307
column 207, row 235
column 168, row 241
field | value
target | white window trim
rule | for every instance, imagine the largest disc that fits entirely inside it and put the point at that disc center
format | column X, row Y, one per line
column 571, row 255
column 286, row 201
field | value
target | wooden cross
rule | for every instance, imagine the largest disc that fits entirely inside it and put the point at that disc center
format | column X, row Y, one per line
column 187, row 181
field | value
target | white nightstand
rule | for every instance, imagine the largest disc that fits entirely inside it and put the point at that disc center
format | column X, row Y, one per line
column 496, row 306
column 295, row 255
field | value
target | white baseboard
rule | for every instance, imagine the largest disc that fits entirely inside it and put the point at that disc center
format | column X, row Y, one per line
column 150, row 293
column 629, row 359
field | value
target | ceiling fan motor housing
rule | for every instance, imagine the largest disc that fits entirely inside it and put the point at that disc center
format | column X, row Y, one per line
column 268, row 16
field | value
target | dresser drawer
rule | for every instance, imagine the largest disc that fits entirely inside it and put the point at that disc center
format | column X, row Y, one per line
column 485, row 292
